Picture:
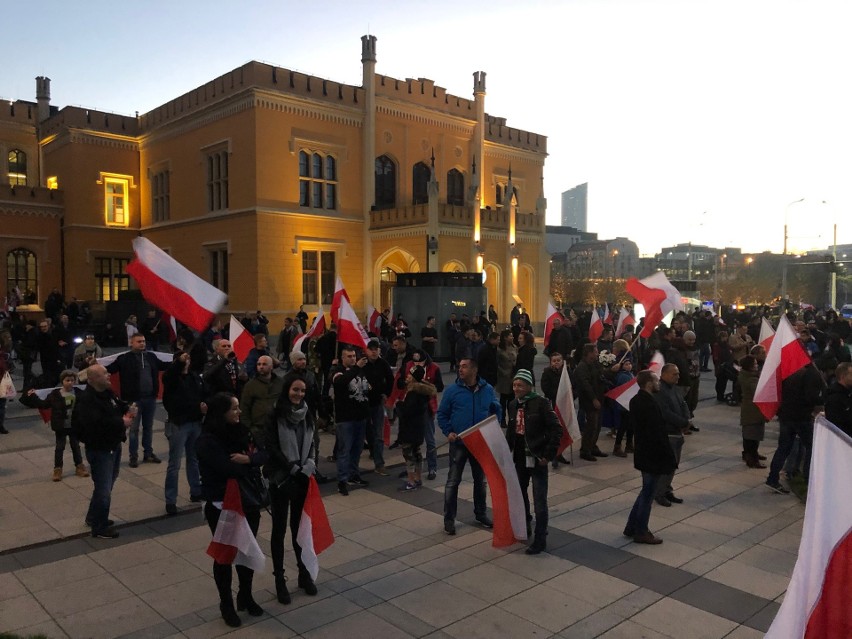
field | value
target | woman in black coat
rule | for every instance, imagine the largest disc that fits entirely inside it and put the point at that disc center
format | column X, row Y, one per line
column 226, row 451
column 526, row 353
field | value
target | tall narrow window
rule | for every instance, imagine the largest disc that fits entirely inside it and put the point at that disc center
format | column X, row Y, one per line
column 318, row 276
column 17, row 168
column 217, row 180
column 116, row 209
column 219, row 268
column 420, row 183
column 22, row 272
column 499, row 194
column 385, row 183
column 455, row 187
column 110, row 278
column 317, row 181
column 160, row 196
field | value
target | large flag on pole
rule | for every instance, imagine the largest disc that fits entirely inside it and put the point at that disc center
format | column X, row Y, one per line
column 786, row 355
column 607, row 316
column 657, row 296
column 595, row 327
column 627, row 391
column 487, row 444
column 349, row 328
column 766, row 334
column 817, row 605
column 552, row 314
column 316, row 329
column 374, row 320
column 241, row 340
column 171, row 326
column 625, row 319
column 233, row 541
column 314, row 533
column 566, row 413
column 339, row 295
column 172, row 288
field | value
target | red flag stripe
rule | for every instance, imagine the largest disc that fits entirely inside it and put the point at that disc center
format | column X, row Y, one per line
column 832, row 617
column 503, row 535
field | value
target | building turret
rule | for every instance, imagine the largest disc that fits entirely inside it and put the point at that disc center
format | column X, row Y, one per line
column 43, row 97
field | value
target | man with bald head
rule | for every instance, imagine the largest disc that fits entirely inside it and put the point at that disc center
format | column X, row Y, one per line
column 100, row 420
column 259, row 396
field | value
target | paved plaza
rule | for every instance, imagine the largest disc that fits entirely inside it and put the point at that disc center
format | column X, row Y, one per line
column 722, row 570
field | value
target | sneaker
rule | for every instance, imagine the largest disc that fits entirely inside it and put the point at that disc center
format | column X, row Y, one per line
column 380, row 470
column 81, row 471
column 485, row 521
column 450, row 527
column 342, row 488
column 431, row 476
column 408, row 487
column 694, row 429
column 171, row 509
column 106, row 533
column 57, row 474
column 778, row 488
column 134, row 462
column 358, row 482
column 151, row 459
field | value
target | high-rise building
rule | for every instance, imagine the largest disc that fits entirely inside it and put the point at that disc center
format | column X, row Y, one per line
column 575, row 204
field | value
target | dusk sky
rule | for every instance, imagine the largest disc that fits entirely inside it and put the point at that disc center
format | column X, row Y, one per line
column 691, row 120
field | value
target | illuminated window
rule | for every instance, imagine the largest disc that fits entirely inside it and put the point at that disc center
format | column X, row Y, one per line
column 217, row 180
column 110, row 278
column 17, row 168
column 455, row 187
column 219, row 268
column 385, row 183
column 317, row 181
column 116, row 203
column 318, row 276
column 22, row 272
column 421, row 174
column 53, row 182
column 160, row 196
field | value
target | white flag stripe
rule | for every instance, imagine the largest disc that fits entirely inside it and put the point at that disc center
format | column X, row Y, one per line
column 305, row 539
column 496, row 441
column 233, row 530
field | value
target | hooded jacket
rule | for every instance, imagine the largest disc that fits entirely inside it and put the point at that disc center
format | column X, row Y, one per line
column 542, row 430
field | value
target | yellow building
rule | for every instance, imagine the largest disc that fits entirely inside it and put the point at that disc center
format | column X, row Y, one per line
column 271, row 183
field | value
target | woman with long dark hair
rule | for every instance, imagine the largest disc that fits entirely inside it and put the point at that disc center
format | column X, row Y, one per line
column 290, row 444
column 226, row 451
column 507, row 354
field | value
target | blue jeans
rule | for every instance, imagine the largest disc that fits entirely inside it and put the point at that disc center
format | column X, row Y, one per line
column 145, row 417
column 376, row 427
column 350, row 443
column 459, row 456
column 182, row 438
column 103, row 466
column 431, row 449
column 787, row 432
column 640, row 514
column 538, row 475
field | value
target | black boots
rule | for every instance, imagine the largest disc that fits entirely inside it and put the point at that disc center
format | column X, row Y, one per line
column 246, row 602
column 229, row 614
column 281, row 590
column 307, row 584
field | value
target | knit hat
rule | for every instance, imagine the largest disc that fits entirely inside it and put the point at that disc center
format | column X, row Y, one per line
column 295, row 356
column 524, row 375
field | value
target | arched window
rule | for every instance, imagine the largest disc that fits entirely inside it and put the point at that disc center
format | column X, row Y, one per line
column 420, row 183
column 385, row 183
column 17, row 168
column 22, row 272
column 455, row 187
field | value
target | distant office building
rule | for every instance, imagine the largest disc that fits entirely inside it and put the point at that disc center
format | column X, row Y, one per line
column 575, row 207
column 598, row 259
column 694, row 261
column 559, row 239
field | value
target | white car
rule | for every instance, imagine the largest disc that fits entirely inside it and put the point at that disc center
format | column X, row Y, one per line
column 846, row 311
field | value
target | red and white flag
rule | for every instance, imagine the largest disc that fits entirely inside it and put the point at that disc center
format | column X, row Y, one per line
column 816, row 604
column 607, row 316
column 487, row 444
column 314, row 534
column 625, row 319
column 552, row 314
column 171, row 325
column 349, row 328
column 566, row 412
column 595, row 327
column 241, row 340
column 316, row 329
column 766, row 334
column 627, row 391
column 173, row 288
column 233, row 541
column 785, row 357
column 374, row 320
column 339, row 295
column 115, row 378
column 657, row 296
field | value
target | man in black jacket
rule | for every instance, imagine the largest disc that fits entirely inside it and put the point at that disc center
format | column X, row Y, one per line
column 533, row 436
column 487, row 359
column 676, row 422
column 140, row 383
column 380, row 377
column 100, row 421
column 654, row 456
column 838, row 401
column 351, row 411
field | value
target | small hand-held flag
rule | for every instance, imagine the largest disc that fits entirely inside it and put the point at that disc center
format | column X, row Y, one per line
column 786, row 355
column 233, row 542
column 241, row 340
column 767, row 334
column 657, row 296
column 566, row 413
column 552, row 314
column 316, row 329
column 595, row 327
column 339, row 295
column 315, row 533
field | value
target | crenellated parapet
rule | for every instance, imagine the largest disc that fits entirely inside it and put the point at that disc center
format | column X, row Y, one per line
column 91, row 119
column 497, row 131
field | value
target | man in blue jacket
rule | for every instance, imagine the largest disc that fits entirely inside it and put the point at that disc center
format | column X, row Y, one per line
column 465, row 403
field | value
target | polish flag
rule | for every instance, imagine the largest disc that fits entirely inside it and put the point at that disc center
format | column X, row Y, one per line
column 241, row 340
column 786, row 355
column 607, row 317
column 314, row 534
column 349, row 328
column 627, row 391
column 552, row 314
column 170, row 324
column 316, row 329
column 595, row 327
column 339, row 294
column 657, row 296
column 374, row 319
column 115, row 378
column 766, row 334
column 233, row 541
column 173, row 288
column 816, row 605
column 487, row 444
column 566, row 412
column 625, row 319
